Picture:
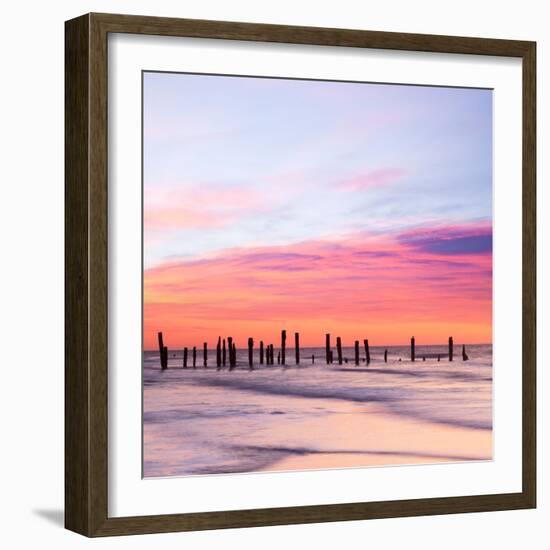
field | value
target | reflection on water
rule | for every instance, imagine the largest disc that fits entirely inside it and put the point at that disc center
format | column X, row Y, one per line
column 204, row 421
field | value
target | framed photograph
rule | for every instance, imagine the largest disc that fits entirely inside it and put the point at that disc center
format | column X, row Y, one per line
column 300, row 274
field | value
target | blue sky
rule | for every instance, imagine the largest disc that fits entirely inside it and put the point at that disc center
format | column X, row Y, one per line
column 307, row 160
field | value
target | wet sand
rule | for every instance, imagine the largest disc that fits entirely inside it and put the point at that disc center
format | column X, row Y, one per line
column 371, row 437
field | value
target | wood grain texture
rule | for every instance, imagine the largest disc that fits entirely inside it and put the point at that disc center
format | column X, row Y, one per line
column 77, row 459
column 261, row 32
column 86, row 279
column 529, row 275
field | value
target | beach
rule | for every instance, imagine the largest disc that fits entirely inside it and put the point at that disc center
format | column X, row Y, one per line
column 315, row 416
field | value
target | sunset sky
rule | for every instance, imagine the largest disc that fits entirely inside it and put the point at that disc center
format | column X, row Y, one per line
column 363, row 210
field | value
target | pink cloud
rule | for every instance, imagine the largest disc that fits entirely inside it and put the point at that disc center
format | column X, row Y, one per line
column 386, row 287
column 174, row 207
column 376, row 178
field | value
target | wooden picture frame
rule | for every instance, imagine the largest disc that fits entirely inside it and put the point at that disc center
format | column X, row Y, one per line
column 86, row 285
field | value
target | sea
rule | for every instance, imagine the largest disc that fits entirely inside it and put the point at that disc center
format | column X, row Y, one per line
column 209, row 421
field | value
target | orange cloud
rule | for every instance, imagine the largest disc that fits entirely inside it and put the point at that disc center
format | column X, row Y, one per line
column 431, row 285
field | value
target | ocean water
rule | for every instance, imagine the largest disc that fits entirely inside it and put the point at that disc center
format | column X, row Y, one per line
column 314, row 416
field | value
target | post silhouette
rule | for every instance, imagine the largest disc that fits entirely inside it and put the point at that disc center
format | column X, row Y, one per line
column 279, row 358
column 297, row 347
column 234, row 355
column 163, row 361
column 312, row 359
column 464, row 355
column 367, row 351
column 165, row 356
column 331, row 357
column 205, row 355
column 230, row 351
column 194, row 356
column 250, row 353
column 450, row 348
column 184, row 358
column 385, row 356
column 412, row 349
column 357, row 352
column 327, row 347
column 283, row 346
column 261, row 352
column 219, row 353
column 223, row 353
column 339, row 349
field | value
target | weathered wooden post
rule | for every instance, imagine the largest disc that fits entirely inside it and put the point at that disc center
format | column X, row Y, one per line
column 357, row 352
column 205, row 355
column 367, row 351
column 271, row 355
column 331, row 358
column 385, row 356
column 450, row 348
column 464, row 355
column 223, row 353
column 165, row 356
column 297, row 346
column 219, row 353
column 194, row 356
column 250, row 353
column 312, row 359
column 327, row 347
column 412, row 349
column 438, row 357
column 339, row 349
column 279, row 358
column 184, row 358
column 283, row 346
column 163, row 365
column 261, row 352
column 230, row 351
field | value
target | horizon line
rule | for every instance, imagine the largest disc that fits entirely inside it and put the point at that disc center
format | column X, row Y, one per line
column 199, row 346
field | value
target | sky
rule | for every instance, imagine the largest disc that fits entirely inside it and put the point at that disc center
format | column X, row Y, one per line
column 363, row 210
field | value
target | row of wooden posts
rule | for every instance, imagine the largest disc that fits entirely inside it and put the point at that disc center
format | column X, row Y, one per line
column 228, row 354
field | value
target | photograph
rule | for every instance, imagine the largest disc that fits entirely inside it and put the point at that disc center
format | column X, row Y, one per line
column 317, row 277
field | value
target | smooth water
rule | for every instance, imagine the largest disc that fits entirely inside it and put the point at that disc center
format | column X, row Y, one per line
column 209, row 421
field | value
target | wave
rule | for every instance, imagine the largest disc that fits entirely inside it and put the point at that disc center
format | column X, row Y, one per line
column 254, row 458
column 301, row 451
column 173, row 415
column 359, row 395
column 431, row 406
